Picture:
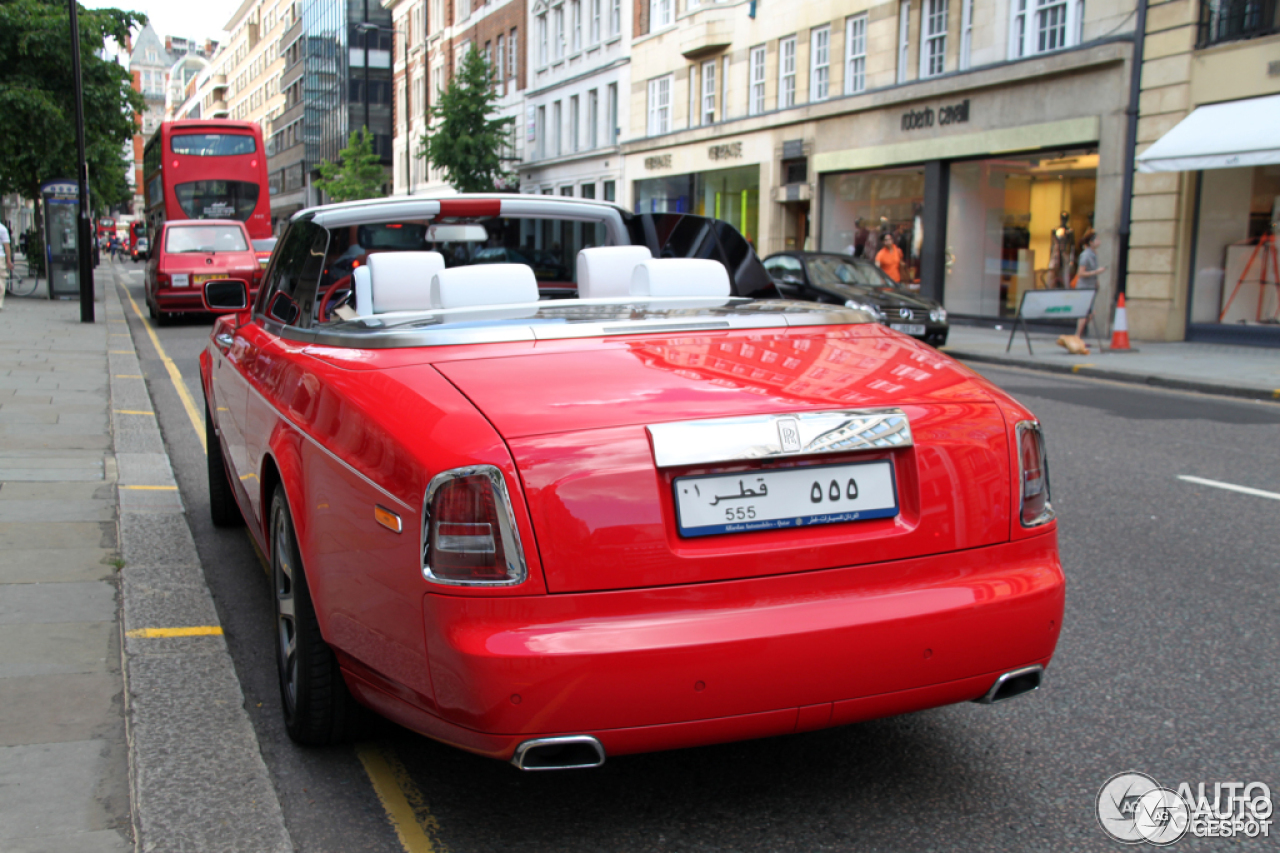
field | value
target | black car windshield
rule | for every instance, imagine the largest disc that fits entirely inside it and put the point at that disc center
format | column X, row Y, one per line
column 829, row 271
column 205, row 238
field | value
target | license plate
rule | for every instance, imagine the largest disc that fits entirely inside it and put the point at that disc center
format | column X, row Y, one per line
column 908, row 328
column 181, row 280
column 785, row 498
column 197, row 280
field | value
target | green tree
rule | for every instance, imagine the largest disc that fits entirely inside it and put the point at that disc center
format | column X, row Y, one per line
column 466, row 143
column 359, row 174
column 38, row 135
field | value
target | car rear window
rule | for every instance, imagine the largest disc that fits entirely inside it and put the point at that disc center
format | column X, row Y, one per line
column 182, row 239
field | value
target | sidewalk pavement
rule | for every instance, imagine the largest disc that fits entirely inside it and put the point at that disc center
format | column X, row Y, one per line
column 1250, row 372
column 122, row 724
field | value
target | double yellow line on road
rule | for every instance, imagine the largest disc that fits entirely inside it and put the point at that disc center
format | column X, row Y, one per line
column 401, row 799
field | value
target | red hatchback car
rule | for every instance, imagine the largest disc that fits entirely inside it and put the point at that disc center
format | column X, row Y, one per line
column 658, row 513
column 190, row 252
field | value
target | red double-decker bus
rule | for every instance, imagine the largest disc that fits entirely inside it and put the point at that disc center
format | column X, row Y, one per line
column 106, row 228
column 137, row 228
column 207, row 169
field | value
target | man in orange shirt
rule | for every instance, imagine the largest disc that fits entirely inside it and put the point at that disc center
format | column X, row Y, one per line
column 889, row 258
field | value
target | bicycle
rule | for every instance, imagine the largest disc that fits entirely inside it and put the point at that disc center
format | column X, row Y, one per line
column 16, row 285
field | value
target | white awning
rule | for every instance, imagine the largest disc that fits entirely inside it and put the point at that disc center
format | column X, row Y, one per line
column 1219, row 136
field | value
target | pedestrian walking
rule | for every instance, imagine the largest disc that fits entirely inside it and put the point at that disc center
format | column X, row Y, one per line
column 1087, row 272
column 8, row 261
column 889, row 258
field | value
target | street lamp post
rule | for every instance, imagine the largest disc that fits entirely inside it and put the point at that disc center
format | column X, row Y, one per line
column 83, row 231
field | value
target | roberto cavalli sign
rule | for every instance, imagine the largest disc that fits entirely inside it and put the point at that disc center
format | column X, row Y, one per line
column 943, row 115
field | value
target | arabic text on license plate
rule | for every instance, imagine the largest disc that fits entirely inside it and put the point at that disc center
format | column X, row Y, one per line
column 908, row 328
column 788, row 497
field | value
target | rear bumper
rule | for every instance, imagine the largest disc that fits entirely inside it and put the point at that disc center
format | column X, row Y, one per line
column 653, row 669
column 187, row 298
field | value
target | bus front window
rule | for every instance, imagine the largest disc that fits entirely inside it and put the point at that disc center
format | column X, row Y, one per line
column 217, row 199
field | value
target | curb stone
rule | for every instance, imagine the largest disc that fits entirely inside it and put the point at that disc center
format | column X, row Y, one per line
column 1149, row 379
column 197, row 776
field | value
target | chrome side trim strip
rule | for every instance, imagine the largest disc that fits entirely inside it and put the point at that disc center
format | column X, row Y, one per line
column 757, row 437
column 302, row 432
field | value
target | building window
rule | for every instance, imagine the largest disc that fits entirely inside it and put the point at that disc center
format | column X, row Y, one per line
column 500, row 66
column 724, row 90
column 904, row 38
column 540, row 132
column 755, row 102
column 542, row 39
column 855, row 58
column 593, row 118
column 933, row 38
column 557, row 126
column 966, row 33
column 659, row 14
column 1229, row 20
column 512, row 47
column 610, row 191
column 615, row 17
column 709, row 92
column 820, row 63
column 464, row 9
column 597, row 7
column 787, row 72
column 558, row 36
column 694, row 100
column 611, row 115
column 1040, row 26
column 576, row 22
column 575, row 130
column 659, row 104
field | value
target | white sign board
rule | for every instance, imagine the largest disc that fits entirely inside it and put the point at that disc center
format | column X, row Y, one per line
column 1059, row 304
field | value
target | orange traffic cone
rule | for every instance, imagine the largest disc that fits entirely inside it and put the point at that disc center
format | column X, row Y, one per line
column 1120, row 328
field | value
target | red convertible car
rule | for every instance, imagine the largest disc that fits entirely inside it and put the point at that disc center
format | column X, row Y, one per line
column 658, row 513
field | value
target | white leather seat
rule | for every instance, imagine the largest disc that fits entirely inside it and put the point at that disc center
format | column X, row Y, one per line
column 484, row 284
column 604, row 272
column 672, row 277
column 396, row 281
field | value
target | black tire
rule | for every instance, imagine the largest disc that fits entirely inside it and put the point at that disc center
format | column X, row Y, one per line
column 317, row 706
column 223, row 508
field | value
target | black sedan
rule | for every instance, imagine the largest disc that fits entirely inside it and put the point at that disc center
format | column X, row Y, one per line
column 841, row 280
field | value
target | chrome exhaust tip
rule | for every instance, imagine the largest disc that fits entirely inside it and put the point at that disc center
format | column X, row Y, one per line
column 1014, row 683
column 574, row 752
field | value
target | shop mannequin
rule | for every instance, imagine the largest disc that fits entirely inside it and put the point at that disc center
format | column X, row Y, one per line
column 1062, row 252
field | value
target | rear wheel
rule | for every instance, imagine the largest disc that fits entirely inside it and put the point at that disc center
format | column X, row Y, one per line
column 222, row 499
column 316, row 703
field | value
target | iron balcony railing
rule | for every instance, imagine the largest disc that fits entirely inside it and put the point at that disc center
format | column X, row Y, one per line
column 1232, row 20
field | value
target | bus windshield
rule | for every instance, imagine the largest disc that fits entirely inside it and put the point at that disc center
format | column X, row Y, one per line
column 204, row 238
column 212, row 144
column 217, row 199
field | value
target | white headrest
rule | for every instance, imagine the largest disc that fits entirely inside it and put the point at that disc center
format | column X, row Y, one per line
column 400, row 281
column 484, row 284
column 605, row 271
column 679, row 277
column 364, row 289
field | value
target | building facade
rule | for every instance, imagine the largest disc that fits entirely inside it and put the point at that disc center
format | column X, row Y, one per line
column 577, row 101
column 149, row 65
column 1202, row 262
column 335, row 78
column 969, row 131
column 434, row 36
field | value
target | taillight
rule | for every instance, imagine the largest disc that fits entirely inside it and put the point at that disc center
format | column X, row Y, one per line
column 163, row 280
column 1033, row 476
column 469, row 532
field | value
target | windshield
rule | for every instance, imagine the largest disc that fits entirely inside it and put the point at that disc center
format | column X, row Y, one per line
column 205, row 238
column 264, row 245
column 217, row 199
column 212, row 144
column 829, row 271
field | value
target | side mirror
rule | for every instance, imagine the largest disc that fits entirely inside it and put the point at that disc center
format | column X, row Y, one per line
column 224, row 295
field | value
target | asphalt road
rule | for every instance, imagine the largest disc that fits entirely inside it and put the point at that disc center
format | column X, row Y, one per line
column 1169, row 664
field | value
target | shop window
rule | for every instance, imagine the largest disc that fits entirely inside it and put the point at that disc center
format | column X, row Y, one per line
column 732, row 195
column 855, row 62
column 1005, row 231
column 860, row 208
column 1238, row 209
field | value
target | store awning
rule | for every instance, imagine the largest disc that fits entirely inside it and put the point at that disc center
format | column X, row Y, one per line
column 1219, row 136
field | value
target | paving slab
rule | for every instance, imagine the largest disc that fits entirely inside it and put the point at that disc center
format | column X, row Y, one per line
column 66, row 565
column 30, row 603
column 43, row 709
column 58, row 648
column 53, row 794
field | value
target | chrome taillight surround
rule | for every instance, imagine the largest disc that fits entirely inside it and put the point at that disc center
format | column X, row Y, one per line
column 1047, row 514
column 517, row 569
